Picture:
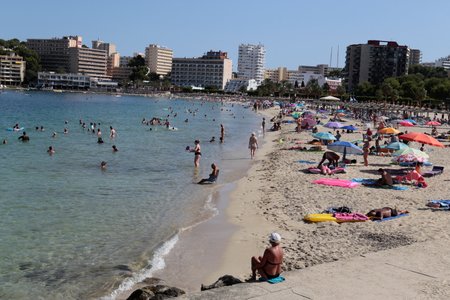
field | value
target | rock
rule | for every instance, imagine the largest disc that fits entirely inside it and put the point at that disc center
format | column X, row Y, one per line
column 225, row 280
column 156, row 292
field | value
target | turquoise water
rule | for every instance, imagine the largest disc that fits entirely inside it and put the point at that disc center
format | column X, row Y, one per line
column 69, row 230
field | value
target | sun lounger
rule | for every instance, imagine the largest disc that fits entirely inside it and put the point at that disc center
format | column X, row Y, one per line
column 437, row 170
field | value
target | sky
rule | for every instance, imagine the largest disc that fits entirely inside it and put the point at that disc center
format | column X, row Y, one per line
column 294, row 32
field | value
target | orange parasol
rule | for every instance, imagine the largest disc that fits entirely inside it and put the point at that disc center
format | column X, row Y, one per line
column 421, row 138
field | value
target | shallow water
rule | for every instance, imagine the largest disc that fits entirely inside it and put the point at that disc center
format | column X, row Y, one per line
column 69, row 229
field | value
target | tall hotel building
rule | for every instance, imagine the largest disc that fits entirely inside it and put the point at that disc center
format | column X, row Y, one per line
column 88, row 61
column 113, row 57
column 251, row 61
column 212, row 69
column 374, row 61
column 54, row 53
column 12, row 69
column 159, row 59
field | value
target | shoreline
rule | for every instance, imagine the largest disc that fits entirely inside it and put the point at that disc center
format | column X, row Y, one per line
column 212, row 233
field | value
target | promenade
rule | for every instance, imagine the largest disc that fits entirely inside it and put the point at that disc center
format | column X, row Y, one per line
column 417, row 271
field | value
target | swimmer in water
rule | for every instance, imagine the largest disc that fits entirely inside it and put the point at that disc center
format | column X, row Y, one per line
column 197, row 153
column 50, row 150
column 112, row 132
column 24, row 137
column 103, row 165
column 54, row 134
column 5, row 142
column 213, row 139
column 66, row 131
column 114, row 148
column 100, row 140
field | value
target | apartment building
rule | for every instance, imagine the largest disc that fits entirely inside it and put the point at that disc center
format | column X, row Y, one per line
column 415, row 57
column 276, row 75
column 12, row 69
column 159, row 59
column 251, row 61
column 92, row 62
column 374, row 61
column 212, row 69
column 443, row 62
column 54, row 53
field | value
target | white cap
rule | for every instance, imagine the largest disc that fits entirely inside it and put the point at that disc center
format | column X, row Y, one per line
column 275, row 238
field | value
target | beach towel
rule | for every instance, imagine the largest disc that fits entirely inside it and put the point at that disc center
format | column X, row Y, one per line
column 364, row 180
column 308, row 162
column 273, row 280
column 439, row 203
column 391, row 218
column 413, row 164
column 350, row 217
column 336, row 182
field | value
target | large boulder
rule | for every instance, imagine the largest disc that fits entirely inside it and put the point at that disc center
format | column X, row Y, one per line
column 225, row 280
column 157, row 292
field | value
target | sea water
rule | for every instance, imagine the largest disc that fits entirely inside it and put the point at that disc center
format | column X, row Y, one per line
column 70, row 230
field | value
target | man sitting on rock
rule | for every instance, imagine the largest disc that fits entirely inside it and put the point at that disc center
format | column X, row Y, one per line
column 269, row 265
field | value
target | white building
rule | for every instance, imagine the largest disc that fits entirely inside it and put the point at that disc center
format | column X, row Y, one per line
column 443, row 62
column 251, row 61
column 68, row 81
column 236, row 85
column 12, row 69
column 159, row 59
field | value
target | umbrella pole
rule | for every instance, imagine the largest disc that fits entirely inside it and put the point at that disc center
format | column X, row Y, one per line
column 345, row 152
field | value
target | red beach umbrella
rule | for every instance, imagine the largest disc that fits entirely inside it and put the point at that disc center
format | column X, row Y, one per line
column 421, row 138
column 406, row 124
column 433, row 123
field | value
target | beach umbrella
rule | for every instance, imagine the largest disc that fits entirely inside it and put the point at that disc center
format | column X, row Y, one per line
column 433, row 123
column 308, row 122
column 397, row 146
column 330, row 98
column 334, row 125
column 406, row 123
column 350, row 127
column 411, row 151
column 411, row 121
column 345, row 148
column 421, row 138
column 388, row 130
column 324, row 136
column 409, row 158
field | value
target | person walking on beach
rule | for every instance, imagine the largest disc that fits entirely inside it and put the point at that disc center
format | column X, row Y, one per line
column 263, row 124
column 269, row 265
column 366, row 150
column 222, row 133
column 252, row 145
column 197, row 153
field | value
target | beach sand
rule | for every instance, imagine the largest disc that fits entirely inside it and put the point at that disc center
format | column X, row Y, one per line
column 276, row 195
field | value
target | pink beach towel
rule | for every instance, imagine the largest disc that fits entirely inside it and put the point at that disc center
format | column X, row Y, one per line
column 336, row 182
column 350, row 217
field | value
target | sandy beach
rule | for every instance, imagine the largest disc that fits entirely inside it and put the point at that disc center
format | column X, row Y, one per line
column 276, row 195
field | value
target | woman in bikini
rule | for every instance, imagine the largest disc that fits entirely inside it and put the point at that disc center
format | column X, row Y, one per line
column 197, row 153
column 269, row 265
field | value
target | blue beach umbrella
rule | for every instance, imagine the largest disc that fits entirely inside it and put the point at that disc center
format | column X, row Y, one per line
column 397, row 146
column 324, row 136
column 411, row 121
column 345, row 148
column 350, row 127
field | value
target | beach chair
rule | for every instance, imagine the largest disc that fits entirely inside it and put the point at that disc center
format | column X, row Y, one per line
column 437, row 170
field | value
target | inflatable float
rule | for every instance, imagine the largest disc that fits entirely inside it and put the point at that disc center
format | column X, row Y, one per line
column 336, row 217
column 15, row 129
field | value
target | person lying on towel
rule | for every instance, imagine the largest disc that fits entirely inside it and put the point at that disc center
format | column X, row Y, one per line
column 212, row 177
column 386, row 178
column 385, row 212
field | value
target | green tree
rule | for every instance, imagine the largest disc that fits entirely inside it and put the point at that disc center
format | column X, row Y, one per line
column 139, row 70
column 365, row 89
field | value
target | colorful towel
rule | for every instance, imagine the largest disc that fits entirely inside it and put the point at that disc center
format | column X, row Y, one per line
column 336, row 182
column 348, row 217
column 273, row 280
column 439, row 203
column 391, row 218
column 364, row 180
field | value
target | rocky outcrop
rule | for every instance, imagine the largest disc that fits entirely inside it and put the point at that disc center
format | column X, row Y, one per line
column 155, row 292
column 225, row 280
